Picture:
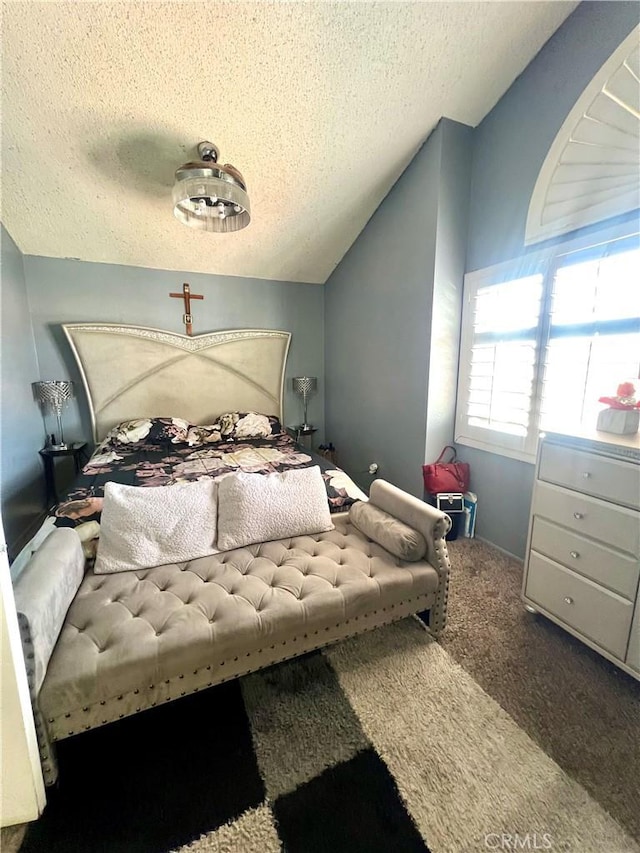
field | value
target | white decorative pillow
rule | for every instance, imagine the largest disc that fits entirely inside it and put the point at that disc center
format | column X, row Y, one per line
column 260, row 508
column 146, row 526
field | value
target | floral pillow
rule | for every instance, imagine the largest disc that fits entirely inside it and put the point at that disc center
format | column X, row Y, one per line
column 235, row 426
column 168, row 429
column 232, row 426
column 149, row 431
column 206, row 434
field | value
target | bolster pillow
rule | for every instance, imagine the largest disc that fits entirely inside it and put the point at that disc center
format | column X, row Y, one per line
column 395, row 536
column 43, row 592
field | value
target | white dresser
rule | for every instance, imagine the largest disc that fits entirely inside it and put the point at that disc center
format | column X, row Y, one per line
column 583, row 553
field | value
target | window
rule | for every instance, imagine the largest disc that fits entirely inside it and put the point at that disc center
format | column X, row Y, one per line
column 542, row 339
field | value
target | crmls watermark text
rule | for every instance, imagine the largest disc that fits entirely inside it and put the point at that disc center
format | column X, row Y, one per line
column 508, row 841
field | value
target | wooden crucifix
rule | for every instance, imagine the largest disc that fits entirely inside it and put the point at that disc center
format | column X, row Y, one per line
column 187, row 317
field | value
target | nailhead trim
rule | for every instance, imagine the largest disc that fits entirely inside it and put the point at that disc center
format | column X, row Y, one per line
column 371, row 616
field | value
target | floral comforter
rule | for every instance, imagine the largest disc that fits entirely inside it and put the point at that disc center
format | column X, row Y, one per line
column 163, row 463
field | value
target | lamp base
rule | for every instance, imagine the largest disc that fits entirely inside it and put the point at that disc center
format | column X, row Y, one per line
column 63, row 446
column 302, row 428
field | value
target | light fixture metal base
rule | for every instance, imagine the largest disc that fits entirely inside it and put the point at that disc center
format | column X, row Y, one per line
column 208, row 152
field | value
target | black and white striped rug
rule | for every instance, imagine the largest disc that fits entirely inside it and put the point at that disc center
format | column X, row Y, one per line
column 380, row 743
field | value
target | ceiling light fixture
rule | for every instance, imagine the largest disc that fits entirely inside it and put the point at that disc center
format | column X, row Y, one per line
column 209, row 196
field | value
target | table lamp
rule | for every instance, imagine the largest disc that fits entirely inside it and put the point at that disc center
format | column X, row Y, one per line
column 305, row 386
column 53, row 395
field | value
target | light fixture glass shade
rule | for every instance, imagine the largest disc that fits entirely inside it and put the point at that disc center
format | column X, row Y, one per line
column 305, row 386
column 211, row 197
column 53, row 395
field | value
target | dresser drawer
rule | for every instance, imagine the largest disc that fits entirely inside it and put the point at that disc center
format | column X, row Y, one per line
column 612, row 525
column 594, row 612
column 613, row 569
column 591, row 474
column 633, row 652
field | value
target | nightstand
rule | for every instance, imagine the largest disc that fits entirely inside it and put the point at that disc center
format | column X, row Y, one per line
column 302, row 436
column 79, row 455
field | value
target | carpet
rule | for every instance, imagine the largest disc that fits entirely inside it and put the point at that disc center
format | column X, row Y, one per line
column 380, row 743
column 578, row 707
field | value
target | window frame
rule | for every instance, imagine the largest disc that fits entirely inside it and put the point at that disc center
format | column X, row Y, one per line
column 545, row 262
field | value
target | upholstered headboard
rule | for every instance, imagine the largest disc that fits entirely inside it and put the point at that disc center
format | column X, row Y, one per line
column 134, row 372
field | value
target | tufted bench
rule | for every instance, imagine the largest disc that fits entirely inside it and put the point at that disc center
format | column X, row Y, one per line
column 135, row 640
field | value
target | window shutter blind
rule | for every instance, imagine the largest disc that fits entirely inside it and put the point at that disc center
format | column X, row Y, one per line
column 543, row 337
column 594, row 337
column 502, row 325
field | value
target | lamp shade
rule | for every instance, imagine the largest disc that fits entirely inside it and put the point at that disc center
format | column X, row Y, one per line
column 305, row 385
column 52, row 394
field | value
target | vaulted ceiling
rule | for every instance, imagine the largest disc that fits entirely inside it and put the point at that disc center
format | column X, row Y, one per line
column 320, row 105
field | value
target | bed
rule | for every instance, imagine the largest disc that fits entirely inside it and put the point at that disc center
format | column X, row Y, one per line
column 161, row 407
column 150, row 452
column 102, row 647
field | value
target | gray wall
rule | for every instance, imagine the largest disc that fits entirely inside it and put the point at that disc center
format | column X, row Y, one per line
column 378, row 311
column 67, row 291
column 451, row 244
column 509, row 148
column 21, row 430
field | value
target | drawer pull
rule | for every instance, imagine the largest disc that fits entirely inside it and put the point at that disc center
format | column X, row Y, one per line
column 578, row 515
column 568, row 599
column 586, row 475
column 575, row 554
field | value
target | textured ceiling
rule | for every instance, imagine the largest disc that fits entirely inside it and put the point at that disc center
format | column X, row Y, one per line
column 320, row 105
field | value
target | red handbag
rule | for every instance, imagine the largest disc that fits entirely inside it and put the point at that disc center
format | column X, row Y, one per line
column 451, row 476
